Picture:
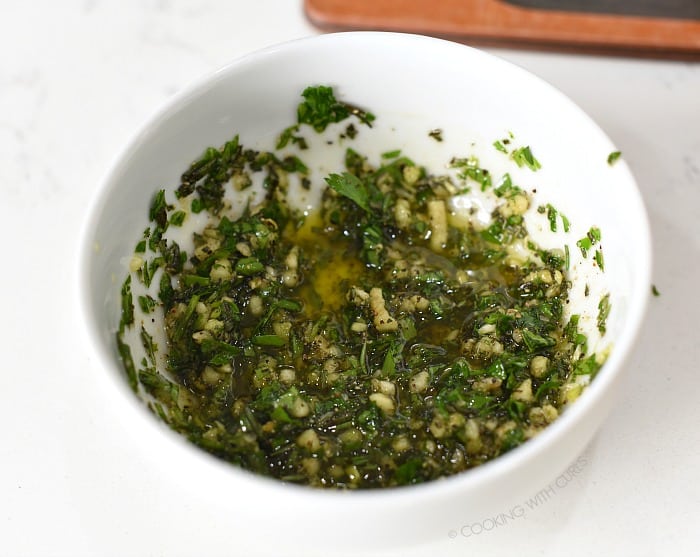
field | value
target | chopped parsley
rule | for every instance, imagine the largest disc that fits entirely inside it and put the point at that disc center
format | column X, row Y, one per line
column 351, row 187
column 320, row 108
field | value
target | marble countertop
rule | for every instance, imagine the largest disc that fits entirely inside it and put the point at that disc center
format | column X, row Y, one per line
column 78, row 77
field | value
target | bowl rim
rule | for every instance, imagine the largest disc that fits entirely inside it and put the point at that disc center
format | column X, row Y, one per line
column 483, row 474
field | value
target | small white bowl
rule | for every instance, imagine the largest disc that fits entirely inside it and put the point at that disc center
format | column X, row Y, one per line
column 411, row 83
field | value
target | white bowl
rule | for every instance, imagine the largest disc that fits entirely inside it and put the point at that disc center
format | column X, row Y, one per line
column 411, row 83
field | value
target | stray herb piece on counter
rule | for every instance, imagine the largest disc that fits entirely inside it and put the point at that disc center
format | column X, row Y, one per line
column 655, row 291
column 376, row 341
column 436, row 134
column 613, row 157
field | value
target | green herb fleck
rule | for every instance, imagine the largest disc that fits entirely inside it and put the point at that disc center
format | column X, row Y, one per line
column 289, row 135
column 128, row 362
column 552, row 217
column 208, row 175
column 320, row 108
column 584, row 244
column 498, row 144
column 407, row 473
column 248, row 266
column 177, row 218
column 613, row 157
column 147, row 303
column 604, row 307
column 599, row 259
column 506, row 188
column 593, row 236
column 565, row 222
column 158, row 212
column 351, row 187
column 436, row 134
column 470, row 169
column 523, row 157
column 149, row 346
column 268, row 340
column 587, row 366
column 127, row 304
column 391, row 154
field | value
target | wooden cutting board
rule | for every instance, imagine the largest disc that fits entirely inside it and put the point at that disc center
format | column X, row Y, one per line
column 656, row 28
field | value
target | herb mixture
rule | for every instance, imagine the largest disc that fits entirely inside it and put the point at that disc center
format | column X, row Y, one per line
column 379, row 341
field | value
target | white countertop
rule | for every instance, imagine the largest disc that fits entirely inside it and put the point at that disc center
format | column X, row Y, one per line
column 78, row 77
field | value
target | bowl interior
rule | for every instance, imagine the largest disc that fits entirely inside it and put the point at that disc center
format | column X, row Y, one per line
column 413, row 84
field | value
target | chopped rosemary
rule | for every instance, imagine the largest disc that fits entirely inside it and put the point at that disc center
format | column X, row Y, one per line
column 603, row 313
column 599, row 259
column 499, row 145
column 470, row 169
column 523, row 157
column 320, row 108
